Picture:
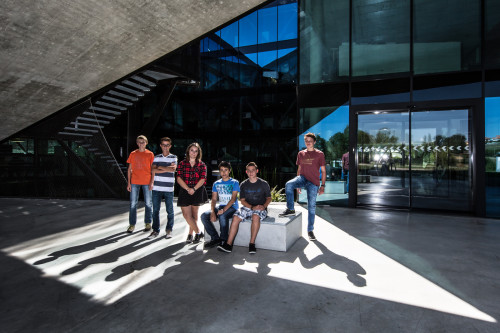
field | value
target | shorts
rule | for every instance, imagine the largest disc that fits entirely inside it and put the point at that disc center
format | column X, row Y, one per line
column 197, row 199
column 245, row 212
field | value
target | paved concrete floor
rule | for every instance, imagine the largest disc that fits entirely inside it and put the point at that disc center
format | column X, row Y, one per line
column 67, row 265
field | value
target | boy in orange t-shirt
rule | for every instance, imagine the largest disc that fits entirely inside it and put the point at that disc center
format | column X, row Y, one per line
column 139, row 176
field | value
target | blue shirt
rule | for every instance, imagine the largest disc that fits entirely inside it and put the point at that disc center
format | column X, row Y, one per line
column 225, row 189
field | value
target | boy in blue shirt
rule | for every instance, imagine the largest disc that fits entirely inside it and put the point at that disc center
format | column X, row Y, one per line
column 226, row 190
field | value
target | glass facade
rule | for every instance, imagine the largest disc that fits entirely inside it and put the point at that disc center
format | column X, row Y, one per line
column 406, row 86
column 380, row 37
column 324, row 41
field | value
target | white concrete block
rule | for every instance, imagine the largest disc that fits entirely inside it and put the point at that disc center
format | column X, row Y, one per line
column 276, row 233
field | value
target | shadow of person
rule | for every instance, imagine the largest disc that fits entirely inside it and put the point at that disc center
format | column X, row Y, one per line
column 82, row 248
column 265, row 258
column 151, row 260
column 352, row 269
column 111, row 256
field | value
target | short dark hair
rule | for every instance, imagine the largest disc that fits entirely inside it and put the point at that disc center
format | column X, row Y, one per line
column 225, row 165
column 252, row 164
column 311, row 135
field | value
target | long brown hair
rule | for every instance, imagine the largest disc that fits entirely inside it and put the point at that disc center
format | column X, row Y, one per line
column 198, row 157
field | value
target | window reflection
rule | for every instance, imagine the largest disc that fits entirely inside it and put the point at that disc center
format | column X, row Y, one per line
column 492, row 156
column 331, row 127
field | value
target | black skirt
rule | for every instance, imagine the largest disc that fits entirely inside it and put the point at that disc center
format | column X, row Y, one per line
column 198, row 198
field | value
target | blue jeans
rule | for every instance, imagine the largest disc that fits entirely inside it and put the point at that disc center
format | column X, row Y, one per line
column 158, row 196
column 312, row 194
column 134, row 197
column 223, row 221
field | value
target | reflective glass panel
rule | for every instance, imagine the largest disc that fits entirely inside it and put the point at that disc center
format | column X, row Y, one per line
column 492, row 155
column 383, row 163
column 492, row 32
column 287, row 21
column 248, row 30
column 331, row 127
column 268, row 25
column 440, row 154
column 381, row 37
column 447, row 35
column 324, row 41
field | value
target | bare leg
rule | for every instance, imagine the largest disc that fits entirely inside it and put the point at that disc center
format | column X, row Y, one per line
column 194, row 214
column 254, row 229
column 188, row 216
column 233, row 230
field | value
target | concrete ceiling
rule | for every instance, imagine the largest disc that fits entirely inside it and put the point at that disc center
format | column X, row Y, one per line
column 55, row 52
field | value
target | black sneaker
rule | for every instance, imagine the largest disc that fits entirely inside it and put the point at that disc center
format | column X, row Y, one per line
column 212, row 243
column 251, row 248
column 311, row 236
column 197, row 237
column 287, row 212
column 189, row 239
column 225, row 247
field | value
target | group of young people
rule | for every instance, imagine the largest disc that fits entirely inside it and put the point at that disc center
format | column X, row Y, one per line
column 156, row 176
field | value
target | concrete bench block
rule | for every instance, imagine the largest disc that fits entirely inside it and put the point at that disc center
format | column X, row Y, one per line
column 276, row 233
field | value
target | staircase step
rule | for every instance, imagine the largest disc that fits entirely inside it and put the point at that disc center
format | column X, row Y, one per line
column 85, row 124
column 80, row 129
column 158, row 75
column 140, row 79
column 98, row 115
column 116, row 93
column 77, row 134
column 96, row 108
column 93, row 120
column 111, row 105
column 117, row 100
column 135, row 85
column 135, row 92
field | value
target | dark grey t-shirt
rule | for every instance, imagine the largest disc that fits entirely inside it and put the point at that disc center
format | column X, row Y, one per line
column 255, row 193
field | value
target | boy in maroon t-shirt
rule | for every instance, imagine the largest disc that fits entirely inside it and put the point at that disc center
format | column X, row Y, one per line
column 309, row 160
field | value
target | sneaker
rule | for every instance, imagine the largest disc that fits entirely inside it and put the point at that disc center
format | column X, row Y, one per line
column 197, row 237
column 154, row 234
column 147, row 227
column 130, row 228
column 225, row 247
column 169, row 234
column 287, row 212
column 251, row 248
column 311, row 236
column 189, row 239
column 212, row 243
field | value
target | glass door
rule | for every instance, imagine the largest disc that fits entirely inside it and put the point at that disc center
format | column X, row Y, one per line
column 383, row 163
column 418, row 159
column 440, row 160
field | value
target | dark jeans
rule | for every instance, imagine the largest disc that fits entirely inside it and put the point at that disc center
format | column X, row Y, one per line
column 158, row 196
column 223, row 221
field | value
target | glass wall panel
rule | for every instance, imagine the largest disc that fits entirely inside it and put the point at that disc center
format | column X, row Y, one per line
column 267, row 25
column 381, row 37
column 440, row 153
column 331, row 126
column 248, row 30
column 492, row 155
column 230, row 34
column 324, row 41
column 447, row 36
column 447, row 86
column 287, row 21
column 492, row 31
column 383, row 163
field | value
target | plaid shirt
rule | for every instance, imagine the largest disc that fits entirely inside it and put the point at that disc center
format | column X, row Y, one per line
column 192, row 175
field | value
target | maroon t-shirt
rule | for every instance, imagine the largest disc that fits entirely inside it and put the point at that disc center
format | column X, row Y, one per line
column 310, row 162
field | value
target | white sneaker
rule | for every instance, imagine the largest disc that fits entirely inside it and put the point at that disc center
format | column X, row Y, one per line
column 169, row 234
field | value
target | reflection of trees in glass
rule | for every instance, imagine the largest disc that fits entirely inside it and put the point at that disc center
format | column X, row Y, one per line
column 385, row 136
column 339, row 143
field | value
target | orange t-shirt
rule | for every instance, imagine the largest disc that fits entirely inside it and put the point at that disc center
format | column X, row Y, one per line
column 140, row 163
